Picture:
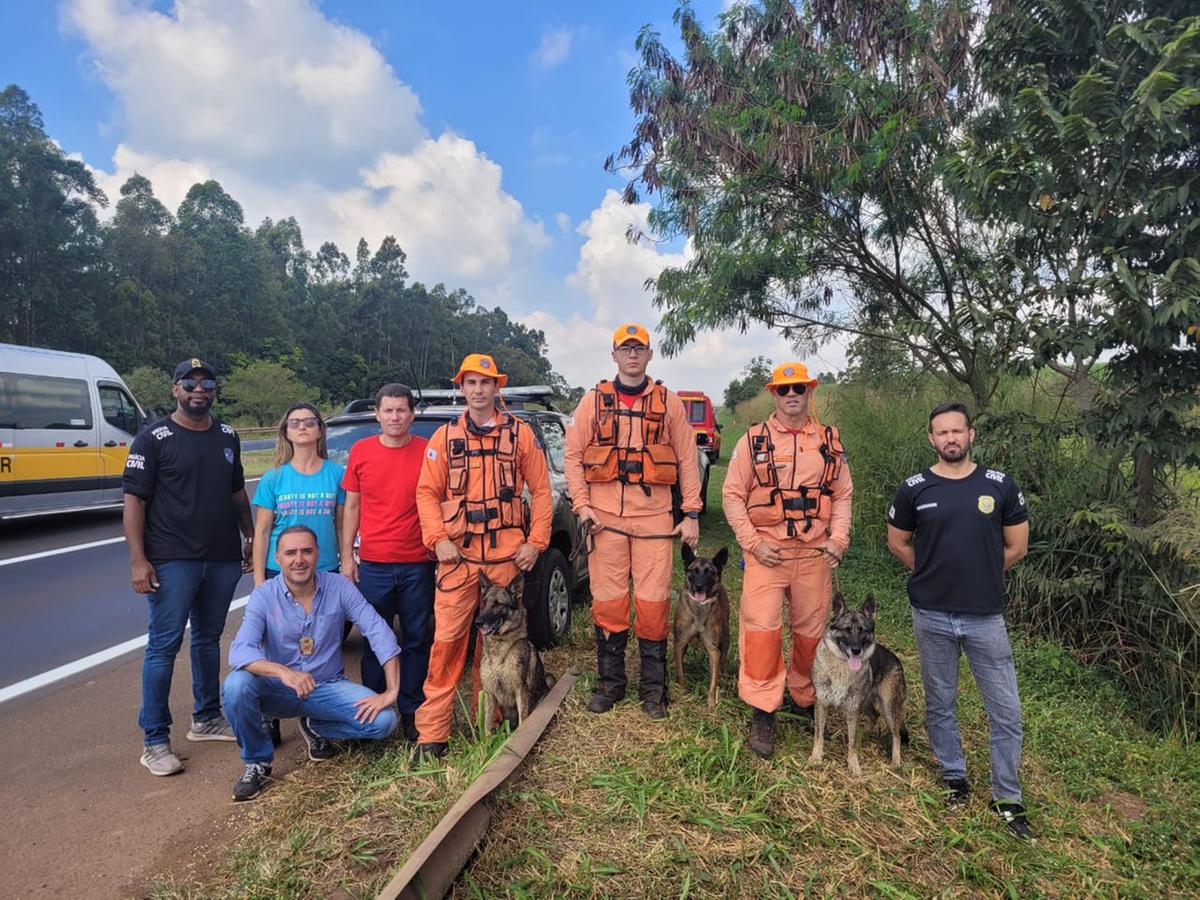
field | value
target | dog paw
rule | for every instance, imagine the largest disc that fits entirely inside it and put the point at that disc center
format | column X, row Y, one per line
column 855, row 769
column 816, row 756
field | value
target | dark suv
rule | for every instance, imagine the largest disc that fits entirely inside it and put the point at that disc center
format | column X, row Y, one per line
column 554, row 580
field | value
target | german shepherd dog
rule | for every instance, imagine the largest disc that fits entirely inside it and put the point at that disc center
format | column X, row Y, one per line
column 509, row 666
column 702, row 615
column 856, row 675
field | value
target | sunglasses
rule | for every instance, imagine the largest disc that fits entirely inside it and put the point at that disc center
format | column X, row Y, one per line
column 784, row 389
column 193, row 384
column 310, row 422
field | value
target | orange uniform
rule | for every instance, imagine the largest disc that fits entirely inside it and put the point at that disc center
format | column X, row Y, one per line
column 615, row 454
column 792, row 488
column 470, row 491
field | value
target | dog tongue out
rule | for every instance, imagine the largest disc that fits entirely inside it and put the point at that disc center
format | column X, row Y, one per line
column 855, row 663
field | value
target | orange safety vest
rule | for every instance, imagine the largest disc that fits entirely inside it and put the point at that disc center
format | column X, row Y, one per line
column 497, row 506
column 798, row 505
column 654, row 462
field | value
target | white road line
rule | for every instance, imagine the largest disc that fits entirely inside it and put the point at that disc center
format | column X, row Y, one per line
column 12, row 561
column 13, row 691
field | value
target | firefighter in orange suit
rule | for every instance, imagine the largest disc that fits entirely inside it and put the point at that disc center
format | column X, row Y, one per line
column 787, row 498
column 473, row 516
column 629, row 443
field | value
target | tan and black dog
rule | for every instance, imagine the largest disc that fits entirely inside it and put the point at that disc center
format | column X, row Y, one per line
column 857, row 676
column 510, row 667
column 702, row 615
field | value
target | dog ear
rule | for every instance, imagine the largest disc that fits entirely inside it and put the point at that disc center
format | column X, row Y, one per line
column 721, row 558
column 869, row 606
column 689, row 555
column 485, row 583
column 516, row 588
column 839, row 605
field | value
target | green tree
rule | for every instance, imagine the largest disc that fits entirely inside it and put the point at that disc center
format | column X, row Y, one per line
column 260, row 391
column 49, row 248
column 801, row 149
column 1097, row 160
column 151, row 388
column 752, row 379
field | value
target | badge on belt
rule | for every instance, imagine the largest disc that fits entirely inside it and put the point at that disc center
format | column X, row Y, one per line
column 307, row 645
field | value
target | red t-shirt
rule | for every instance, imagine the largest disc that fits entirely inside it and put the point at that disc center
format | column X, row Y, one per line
column 385, row 478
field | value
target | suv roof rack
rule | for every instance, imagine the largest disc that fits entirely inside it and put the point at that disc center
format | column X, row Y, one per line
column 517, row 397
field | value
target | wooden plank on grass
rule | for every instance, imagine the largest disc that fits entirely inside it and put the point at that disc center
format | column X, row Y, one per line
column 434, row 865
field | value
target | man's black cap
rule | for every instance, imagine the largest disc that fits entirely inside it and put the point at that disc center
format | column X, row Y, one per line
column 188, row 366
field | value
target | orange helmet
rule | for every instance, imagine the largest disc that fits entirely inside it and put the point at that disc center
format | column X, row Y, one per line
column 480, row 364
column 791, row 373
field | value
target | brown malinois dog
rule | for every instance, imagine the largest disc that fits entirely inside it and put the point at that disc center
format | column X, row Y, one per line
column 510, row 667
column 702, row 615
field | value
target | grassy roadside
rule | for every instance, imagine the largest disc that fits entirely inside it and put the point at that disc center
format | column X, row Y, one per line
column 255, row 462
column 616, row 805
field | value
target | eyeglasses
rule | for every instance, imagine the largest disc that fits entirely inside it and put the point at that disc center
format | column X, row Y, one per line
column 310, row 422
column 192, row 384
column 784, row 389
column 632, row 349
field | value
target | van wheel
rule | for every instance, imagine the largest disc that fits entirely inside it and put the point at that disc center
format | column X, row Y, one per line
column 548, row 599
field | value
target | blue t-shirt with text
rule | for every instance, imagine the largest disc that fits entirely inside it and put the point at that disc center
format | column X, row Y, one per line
column 298, row 499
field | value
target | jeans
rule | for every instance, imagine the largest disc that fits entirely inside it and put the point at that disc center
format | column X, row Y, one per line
column 940, row 637
column 249, row 699
column 404, row 591
column 201, row 591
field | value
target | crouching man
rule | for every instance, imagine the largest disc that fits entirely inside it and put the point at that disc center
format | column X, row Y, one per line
column 287, row 663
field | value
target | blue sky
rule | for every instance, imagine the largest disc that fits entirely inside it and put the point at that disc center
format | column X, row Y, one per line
column 474, row 132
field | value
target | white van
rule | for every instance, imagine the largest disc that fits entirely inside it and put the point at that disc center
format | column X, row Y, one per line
column 66, row 423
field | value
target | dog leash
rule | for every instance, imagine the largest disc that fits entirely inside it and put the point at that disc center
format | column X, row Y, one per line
column 462, row 562
column 588, row 533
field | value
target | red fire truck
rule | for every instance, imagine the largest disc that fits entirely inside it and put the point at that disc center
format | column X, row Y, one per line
column 700, row 413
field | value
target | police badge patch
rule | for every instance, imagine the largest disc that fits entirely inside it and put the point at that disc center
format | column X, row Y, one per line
column 987, row 503
column 229, row 455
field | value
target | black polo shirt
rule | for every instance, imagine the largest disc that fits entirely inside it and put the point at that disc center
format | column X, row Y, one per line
column 188, row 479
column 959, row 537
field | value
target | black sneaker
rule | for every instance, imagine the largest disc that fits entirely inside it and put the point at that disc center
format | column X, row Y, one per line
column 957, row 790
column 433, row 750
column 319, row 748
column 408, row 727
column 1013, row 815
column 252, row 782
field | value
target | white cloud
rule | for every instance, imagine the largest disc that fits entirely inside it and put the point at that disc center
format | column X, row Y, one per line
column 298, row 116
column 563, row 221
column 608, row 287
column 275, row 89
column 553, row 49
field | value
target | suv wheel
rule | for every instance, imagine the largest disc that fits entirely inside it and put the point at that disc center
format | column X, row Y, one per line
column 548, row 598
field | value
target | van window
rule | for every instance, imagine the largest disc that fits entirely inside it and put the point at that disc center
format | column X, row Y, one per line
column 40, row 401
column 118, row 408
column 696, row 412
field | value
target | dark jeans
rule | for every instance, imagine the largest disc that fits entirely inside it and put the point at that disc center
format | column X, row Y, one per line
column 403, row 591
column 187, row 589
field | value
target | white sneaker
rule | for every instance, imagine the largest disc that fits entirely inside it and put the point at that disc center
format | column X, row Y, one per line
column 160, row 759
column 213, row 730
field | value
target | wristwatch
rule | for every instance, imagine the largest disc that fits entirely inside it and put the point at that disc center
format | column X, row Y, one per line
column 692, row 514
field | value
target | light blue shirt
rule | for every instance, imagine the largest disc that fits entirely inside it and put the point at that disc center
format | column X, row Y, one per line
column 299, row 499
column 275, row 623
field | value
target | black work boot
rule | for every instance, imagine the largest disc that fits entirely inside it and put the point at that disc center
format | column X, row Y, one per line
column 652, row 686
column 610, row 670
column 762, row 734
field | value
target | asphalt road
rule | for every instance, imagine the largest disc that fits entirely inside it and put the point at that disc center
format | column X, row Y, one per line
column 60, row 608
